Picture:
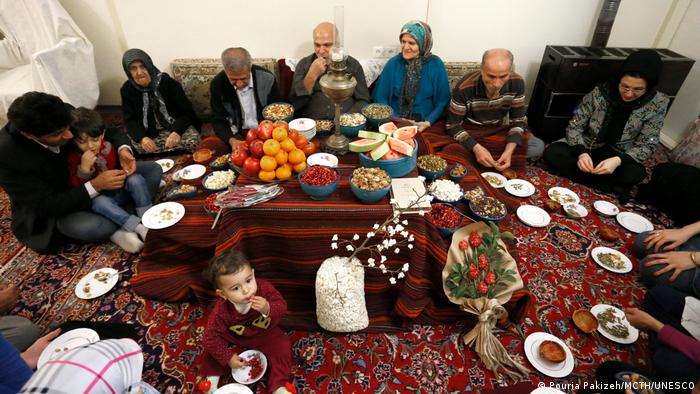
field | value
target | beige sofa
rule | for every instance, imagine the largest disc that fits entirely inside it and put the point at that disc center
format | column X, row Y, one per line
column 196, row 74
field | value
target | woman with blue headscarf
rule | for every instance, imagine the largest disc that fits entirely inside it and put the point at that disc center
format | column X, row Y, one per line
column 158, row 116
column 414, row 83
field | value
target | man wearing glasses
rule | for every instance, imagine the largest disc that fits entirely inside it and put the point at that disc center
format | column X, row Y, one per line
column 614, row 129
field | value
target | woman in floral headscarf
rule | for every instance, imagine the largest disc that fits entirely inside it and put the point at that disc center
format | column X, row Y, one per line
column 414, row 83
column 158, row 116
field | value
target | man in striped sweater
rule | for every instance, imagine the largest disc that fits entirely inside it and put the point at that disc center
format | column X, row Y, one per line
column 492, row 98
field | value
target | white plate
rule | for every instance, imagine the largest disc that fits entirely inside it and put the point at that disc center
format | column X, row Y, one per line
column 500, row 182
column 65, row 342
column 240, row 375
column 166, row 164
column 634, row 333
column 532, row 352
column 97, row 287
column 520, row 188
column 163, row 215
column 546, row 390
column 579, row 211
column 192, row 171
column 322, row 159
column 603, row 249
column 563, row 195
column 633, row 222
column 606, row 208
column 233, row 388
column 533, row 216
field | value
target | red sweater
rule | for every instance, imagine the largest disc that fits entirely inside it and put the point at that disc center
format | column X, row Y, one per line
column 226, row 326
column 685, row 344
column 106, row 160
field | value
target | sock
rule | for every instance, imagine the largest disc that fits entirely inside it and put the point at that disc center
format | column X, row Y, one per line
column 141, row 230
column 127, row 240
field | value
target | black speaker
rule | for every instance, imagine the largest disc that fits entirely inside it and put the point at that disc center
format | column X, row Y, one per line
column 567, row 73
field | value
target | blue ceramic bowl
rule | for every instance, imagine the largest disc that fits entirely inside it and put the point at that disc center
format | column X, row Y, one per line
column 177, row 192
column 472, row 204
column 395, row 168
column 431, row 175
column 273, row 118
column 221, row 167
column 319, row 192
column 448, row 231
column 351, row 131
column 369, row 196
column 375, row 122
column 457, row 178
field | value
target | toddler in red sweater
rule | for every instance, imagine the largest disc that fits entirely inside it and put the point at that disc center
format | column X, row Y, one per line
column 244, row 317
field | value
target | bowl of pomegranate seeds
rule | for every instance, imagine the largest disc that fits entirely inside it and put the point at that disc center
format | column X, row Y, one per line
column 446, row 218
column 254, row 369
column 319, row 182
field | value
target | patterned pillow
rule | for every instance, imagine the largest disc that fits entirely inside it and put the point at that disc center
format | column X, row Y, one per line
column 195, row 75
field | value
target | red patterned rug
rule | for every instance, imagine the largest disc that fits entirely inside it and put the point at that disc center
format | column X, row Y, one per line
column 555, row 266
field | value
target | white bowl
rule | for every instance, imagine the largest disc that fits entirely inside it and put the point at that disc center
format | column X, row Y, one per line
column 303, row 125
column 322, row 159
column 575, row 211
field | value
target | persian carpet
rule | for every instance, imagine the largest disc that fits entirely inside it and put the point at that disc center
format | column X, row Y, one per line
column 554, row 263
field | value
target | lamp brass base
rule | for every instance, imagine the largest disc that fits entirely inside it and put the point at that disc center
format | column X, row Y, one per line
column 336, row 144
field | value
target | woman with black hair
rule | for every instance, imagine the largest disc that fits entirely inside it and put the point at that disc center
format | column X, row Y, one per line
column 158, row 116
column 614, row 129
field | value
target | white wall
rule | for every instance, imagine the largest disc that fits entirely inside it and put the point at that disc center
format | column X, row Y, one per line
column 686, row 108
column 462, row 29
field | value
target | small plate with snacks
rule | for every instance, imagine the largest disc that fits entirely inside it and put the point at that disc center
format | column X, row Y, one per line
column 96, row 283
column 69, row 340
column 254, row 369
column 613, row 324
column 563, row 195
column 549, row 354
column 181, row 191
column 611, row 260
column 575, row 211
column 166, row 164
column 163, row 215
column 606, row 208
column 494, row 179
column 193, row 171
column 520, row 188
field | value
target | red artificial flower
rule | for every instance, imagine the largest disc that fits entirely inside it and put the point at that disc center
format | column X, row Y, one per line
column 463, row 244
column 483, row 262
column 490, row 278
column 482, row 288
column 474, row 239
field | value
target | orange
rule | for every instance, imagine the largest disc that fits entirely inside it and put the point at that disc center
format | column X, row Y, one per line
column 268, row 163
column 271, row 147
column 301, row 141
column 283, row 172
column 300, row 167
column 287, row 166
column 281, row 123
column 309, row 149
column 293, row 134
column 279, row 134
column 287, row 145
column 266, row 175
column 281, row 157
column 296, row 156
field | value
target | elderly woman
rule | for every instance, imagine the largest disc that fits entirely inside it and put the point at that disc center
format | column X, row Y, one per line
column 414, row 83
column 158, row 116
column 615, row 128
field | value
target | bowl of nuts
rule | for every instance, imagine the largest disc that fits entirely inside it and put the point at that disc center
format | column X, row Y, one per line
column 457, row 173
column 431, row 166
column 377, row 113
column 488, row 209
column 278, row 111
column 351, row 124
column 370, row 184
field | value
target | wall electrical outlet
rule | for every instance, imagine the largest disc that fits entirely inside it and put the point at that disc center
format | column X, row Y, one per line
column 391, row 51
column 377, row 51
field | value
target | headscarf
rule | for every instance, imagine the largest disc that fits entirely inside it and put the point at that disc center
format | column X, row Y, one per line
column 645, row 62
column 107, row 366
column 419, row 31
column 150, row 94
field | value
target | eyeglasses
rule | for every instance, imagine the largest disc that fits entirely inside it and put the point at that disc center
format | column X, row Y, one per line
column 627, row 89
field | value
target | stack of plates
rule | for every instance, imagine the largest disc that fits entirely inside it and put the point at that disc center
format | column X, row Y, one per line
column 305, row 127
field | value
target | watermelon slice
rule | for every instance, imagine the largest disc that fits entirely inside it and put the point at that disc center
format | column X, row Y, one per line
column 372, row 135
column 387, row 128
column 406, row 132
column 400, row 146
column 391, row 155
column 380, row 151
column 364, row 145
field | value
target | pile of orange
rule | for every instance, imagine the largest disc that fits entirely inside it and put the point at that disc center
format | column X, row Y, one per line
column 285, row 153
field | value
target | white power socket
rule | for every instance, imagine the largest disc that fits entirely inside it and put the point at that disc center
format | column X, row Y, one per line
column 378, row 51
column 392, row 51
column 384, row 51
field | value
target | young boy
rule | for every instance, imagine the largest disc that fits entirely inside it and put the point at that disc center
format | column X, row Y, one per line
column 244, row 317
column 93, row 155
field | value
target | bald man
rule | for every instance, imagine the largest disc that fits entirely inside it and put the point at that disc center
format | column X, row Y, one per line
column 491, row 98
column 306, row 95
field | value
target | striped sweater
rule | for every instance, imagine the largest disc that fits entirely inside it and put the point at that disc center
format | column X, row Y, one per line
column 470, row 106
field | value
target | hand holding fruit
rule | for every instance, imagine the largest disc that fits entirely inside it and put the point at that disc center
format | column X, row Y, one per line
column 86, row 161
column 260, row 304
column 236, row 362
